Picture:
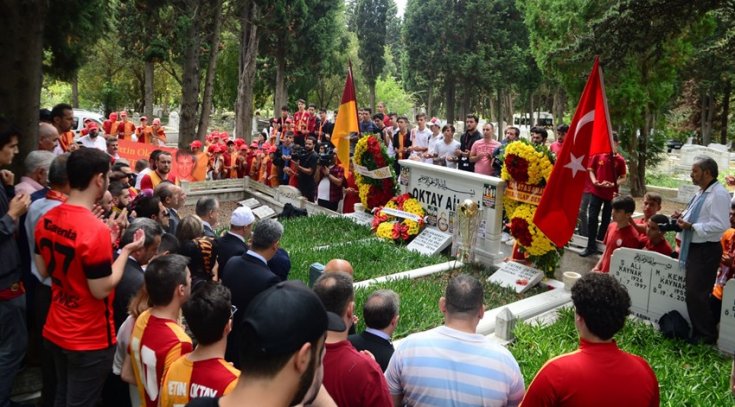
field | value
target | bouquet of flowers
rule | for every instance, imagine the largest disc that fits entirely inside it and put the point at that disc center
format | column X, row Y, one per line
column 371, row 154
column 387, row 225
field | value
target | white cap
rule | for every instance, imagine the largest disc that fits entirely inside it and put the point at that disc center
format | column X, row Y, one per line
column 242, row 216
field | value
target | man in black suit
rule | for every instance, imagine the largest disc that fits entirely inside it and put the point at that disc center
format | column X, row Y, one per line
column 381, row 318
column 173, row 198
column 235, row 241
column 208, row 209
column 248, row 275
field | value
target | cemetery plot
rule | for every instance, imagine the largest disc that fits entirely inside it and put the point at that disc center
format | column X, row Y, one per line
column 516, row 276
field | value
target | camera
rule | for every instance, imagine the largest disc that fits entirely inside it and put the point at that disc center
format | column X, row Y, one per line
column 298, row 153
column 326, row 158
column 671, row 225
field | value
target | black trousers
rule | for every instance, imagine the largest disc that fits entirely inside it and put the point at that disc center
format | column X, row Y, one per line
column 80, row 374
column 328, row 204
column 701, row 270
column 597, row 203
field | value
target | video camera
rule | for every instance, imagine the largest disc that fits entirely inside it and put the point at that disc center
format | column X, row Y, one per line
column 326, row 158
column 671, row 225
column 298, row 153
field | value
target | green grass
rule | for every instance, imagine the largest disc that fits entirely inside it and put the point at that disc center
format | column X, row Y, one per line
column 664, row 180
column 320, row 230
column 688, row 375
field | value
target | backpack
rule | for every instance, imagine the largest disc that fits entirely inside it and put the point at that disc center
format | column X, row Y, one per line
column 674, row 326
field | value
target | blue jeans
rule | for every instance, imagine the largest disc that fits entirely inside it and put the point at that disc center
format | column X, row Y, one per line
column 13, row 343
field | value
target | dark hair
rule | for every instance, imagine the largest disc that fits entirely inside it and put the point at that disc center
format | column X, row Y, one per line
column 116, row 188
column 163, row 191
column 660, row 218
column 57, row 175
column 7, row 132
column 562, row 128
column 119, row 165
column 312, row 138
column 322, row 110
column 58, row 110
column 284, row 107
column 448, row 126
column 154, row 155
column 420, row 115
column 707, row 164
column 207, row 312
column 602, row 302
column 147, row 207
column 301, row 101
column 652, row 196
column 540, row 130
column 85, row 164
column 473, row 116
column 404, row 118
column 44, row 115
column 368, row 110
column 378, row 116
column 516, row 130
column 169, row 243
column 140, row 165
column 163, row 275
column 259, row 364
column 615, row 136
column 335, row 291
column 150, row 228
column 626, row 203
column 312, row 105
column 464, row 295
column 205, row 206
column 380, row 309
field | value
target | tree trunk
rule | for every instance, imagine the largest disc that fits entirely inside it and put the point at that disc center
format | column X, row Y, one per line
column 190, row 81
column 75, row 90
column 726, row 90
column 706, row 125
column 281, row 98
column 429, row 104
column 148, row 73
column 466, row 108
column 371, row 85
column 450, row 92
column 206, row 110
column 246, row 81
column 499, row 96
column 20, row 74
column 530, row 108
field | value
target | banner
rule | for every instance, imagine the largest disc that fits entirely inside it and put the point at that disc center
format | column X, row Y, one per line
column 185, row 165
column 378, row 173
column 530, row 194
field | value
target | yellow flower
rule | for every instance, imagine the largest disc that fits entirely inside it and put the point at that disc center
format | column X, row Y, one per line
column 364, row 192
column 540, row 244
column 385, row 230
column 539, row 164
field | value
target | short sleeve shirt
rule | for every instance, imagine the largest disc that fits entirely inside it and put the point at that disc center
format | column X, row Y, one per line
column 76, row 247
column 186, row 380
column 606, row 168
column 485, row 150
column 616, row 238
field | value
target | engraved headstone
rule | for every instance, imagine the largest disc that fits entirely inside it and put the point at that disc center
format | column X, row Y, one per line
column 726, row 341
column 250, row 203
column 430, row 241
column 264, row 212
column 517, row 276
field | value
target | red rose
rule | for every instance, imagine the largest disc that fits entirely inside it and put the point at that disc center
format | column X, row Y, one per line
column 519, row 230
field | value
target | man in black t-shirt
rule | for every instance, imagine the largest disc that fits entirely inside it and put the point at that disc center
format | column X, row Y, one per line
column 465, row 143
column 305, row 168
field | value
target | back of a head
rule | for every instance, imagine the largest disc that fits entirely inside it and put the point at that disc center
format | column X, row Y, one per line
column 380, row 309
column 169, row 244
column 140, row 165
column 57, row 175
column 164, row 190
column 625, row 203
column 190, row 228
column 84, row 164
column 207, row 312
column 38, row 159
column 7, row 132
column 335, row 291
column 660, row 218
column 163, row 275
column 339, row 265
column 205, row 206
column 150, row 228
column 266, row 233
column 602, row 302
column 464, row 295
column 116, row 188
column 147, row 207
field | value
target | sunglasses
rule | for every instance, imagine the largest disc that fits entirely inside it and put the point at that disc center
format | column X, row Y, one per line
column 233, row 310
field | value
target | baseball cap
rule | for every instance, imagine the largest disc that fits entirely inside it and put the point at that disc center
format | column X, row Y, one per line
column 196, row 144
column 242, row 216
column 435, row 122
column 157, row 121
column 144, row 119
column 281, row 319
column 92, row 126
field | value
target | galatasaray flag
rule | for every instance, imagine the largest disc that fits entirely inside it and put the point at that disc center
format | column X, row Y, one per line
column 589, row 134
column 346, row 122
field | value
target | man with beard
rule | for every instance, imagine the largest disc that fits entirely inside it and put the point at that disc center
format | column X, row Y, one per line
column 62, row 116
column 306, row 168
column 465, row 143
column 92, row 139
column 281, row 349
column 162, row 172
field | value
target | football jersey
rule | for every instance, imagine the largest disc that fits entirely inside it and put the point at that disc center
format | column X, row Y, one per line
column 76, row 247
column 154, row 345
column 186, row 380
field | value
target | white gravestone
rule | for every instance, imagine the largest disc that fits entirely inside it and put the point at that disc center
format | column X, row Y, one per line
column 690, row 151
column 517, row 276
column 726, row 341
column 264, row 212
column 173, row 120
column 361, row 218
column 655, row 282
column 250, row 203
column 686, row 192
column 430, row 241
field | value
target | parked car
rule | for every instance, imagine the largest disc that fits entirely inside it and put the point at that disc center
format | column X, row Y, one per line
column 80, row 116
column 673, row 145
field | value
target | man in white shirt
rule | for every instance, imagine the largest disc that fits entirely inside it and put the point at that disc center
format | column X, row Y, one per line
column 436, row 134
column 443, row 151
column 420, row 137
column 92, row 139
column 702, row 224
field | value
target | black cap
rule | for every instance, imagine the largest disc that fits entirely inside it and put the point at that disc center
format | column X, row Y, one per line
column 284, row 317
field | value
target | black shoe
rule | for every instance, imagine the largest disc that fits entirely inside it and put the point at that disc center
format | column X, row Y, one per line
column 587, row 252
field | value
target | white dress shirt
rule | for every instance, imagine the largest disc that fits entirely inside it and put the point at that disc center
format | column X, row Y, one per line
column 714, row 216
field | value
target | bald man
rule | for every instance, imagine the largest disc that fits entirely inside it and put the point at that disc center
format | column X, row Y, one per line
column 342, row 265
column 48, row 138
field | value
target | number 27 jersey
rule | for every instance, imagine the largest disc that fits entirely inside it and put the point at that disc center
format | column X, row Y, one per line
column 76, row 246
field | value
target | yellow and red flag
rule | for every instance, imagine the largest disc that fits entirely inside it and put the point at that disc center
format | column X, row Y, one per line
column 346, row 122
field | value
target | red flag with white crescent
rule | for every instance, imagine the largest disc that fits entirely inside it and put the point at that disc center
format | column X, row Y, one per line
column 590, row 133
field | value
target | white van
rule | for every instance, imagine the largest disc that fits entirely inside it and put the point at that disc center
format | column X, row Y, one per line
column 80, row 116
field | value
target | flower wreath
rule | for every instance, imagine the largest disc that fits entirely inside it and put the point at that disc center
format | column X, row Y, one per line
column 371, row 153
column 529, row 164
column 389, row 227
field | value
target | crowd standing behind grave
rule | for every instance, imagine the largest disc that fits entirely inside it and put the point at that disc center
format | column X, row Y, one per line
column 96, row 269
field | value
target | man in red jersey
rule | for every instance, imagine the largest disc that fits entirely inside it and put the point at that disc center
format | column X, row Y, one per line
column 162, row 172
column 74, row 248
column 157, row 339
column 599, row 373
column 204, row 372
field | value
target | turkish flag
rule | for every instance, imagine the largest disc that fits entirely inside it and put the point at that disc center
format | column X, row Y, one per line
column 589, row 134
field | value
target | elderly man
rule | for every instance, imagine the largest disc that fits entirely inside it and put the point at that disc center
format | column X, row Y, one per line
column 208, row 210
column 235, row 241
column 703, row 223
column 36, row 164
column 381, row 319
column 48, row 138
column 248, row 275
column 466, row 367
column 336, row 265
column 173, row 198
column 599, row 373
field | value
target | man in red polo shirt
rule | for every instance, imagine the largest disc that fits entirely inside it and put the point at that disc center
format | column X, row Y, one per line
column 74, row 248
column 599, row 373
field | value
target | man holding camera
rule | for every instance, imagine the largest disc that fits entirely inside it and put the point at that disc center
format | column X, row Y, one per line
column 305, row 169
column 330, row 182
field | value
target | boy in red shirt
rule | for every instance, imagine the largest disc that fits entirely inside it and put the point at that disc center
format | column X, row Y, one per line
column 651, row 206
column 620, row 233
column 655, row 238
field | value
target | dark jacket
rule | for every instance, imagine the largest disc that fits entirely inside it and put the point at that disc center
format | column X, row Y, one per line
column 131, row 281
column 173, row 221
column 246, row 276
column 381, row 348
column 208, row 231
column 229, row 246
column 10, row 271
column 465, row 144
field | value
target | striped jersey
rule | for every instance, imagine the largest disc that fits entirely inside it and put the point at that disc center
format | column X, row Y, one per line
column 186, row 380
column 447, row 367
column 154, row 345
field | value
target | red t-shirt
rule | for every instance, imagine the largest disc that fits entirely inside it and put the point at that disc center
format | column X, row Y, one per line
column 616, row 238
column 186, row 380
column 353, row 379
column 662, row 247
column 154, row 345
column 76, row 247
column 598, row 374
column 606, row 169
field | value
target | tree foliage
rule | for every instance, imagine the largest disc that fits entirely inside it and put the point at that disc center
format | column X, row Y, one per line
column 371, row 18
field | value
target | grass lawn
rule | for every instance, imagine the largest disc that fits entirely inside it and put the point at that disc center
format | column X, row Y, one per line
column 688, row 375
